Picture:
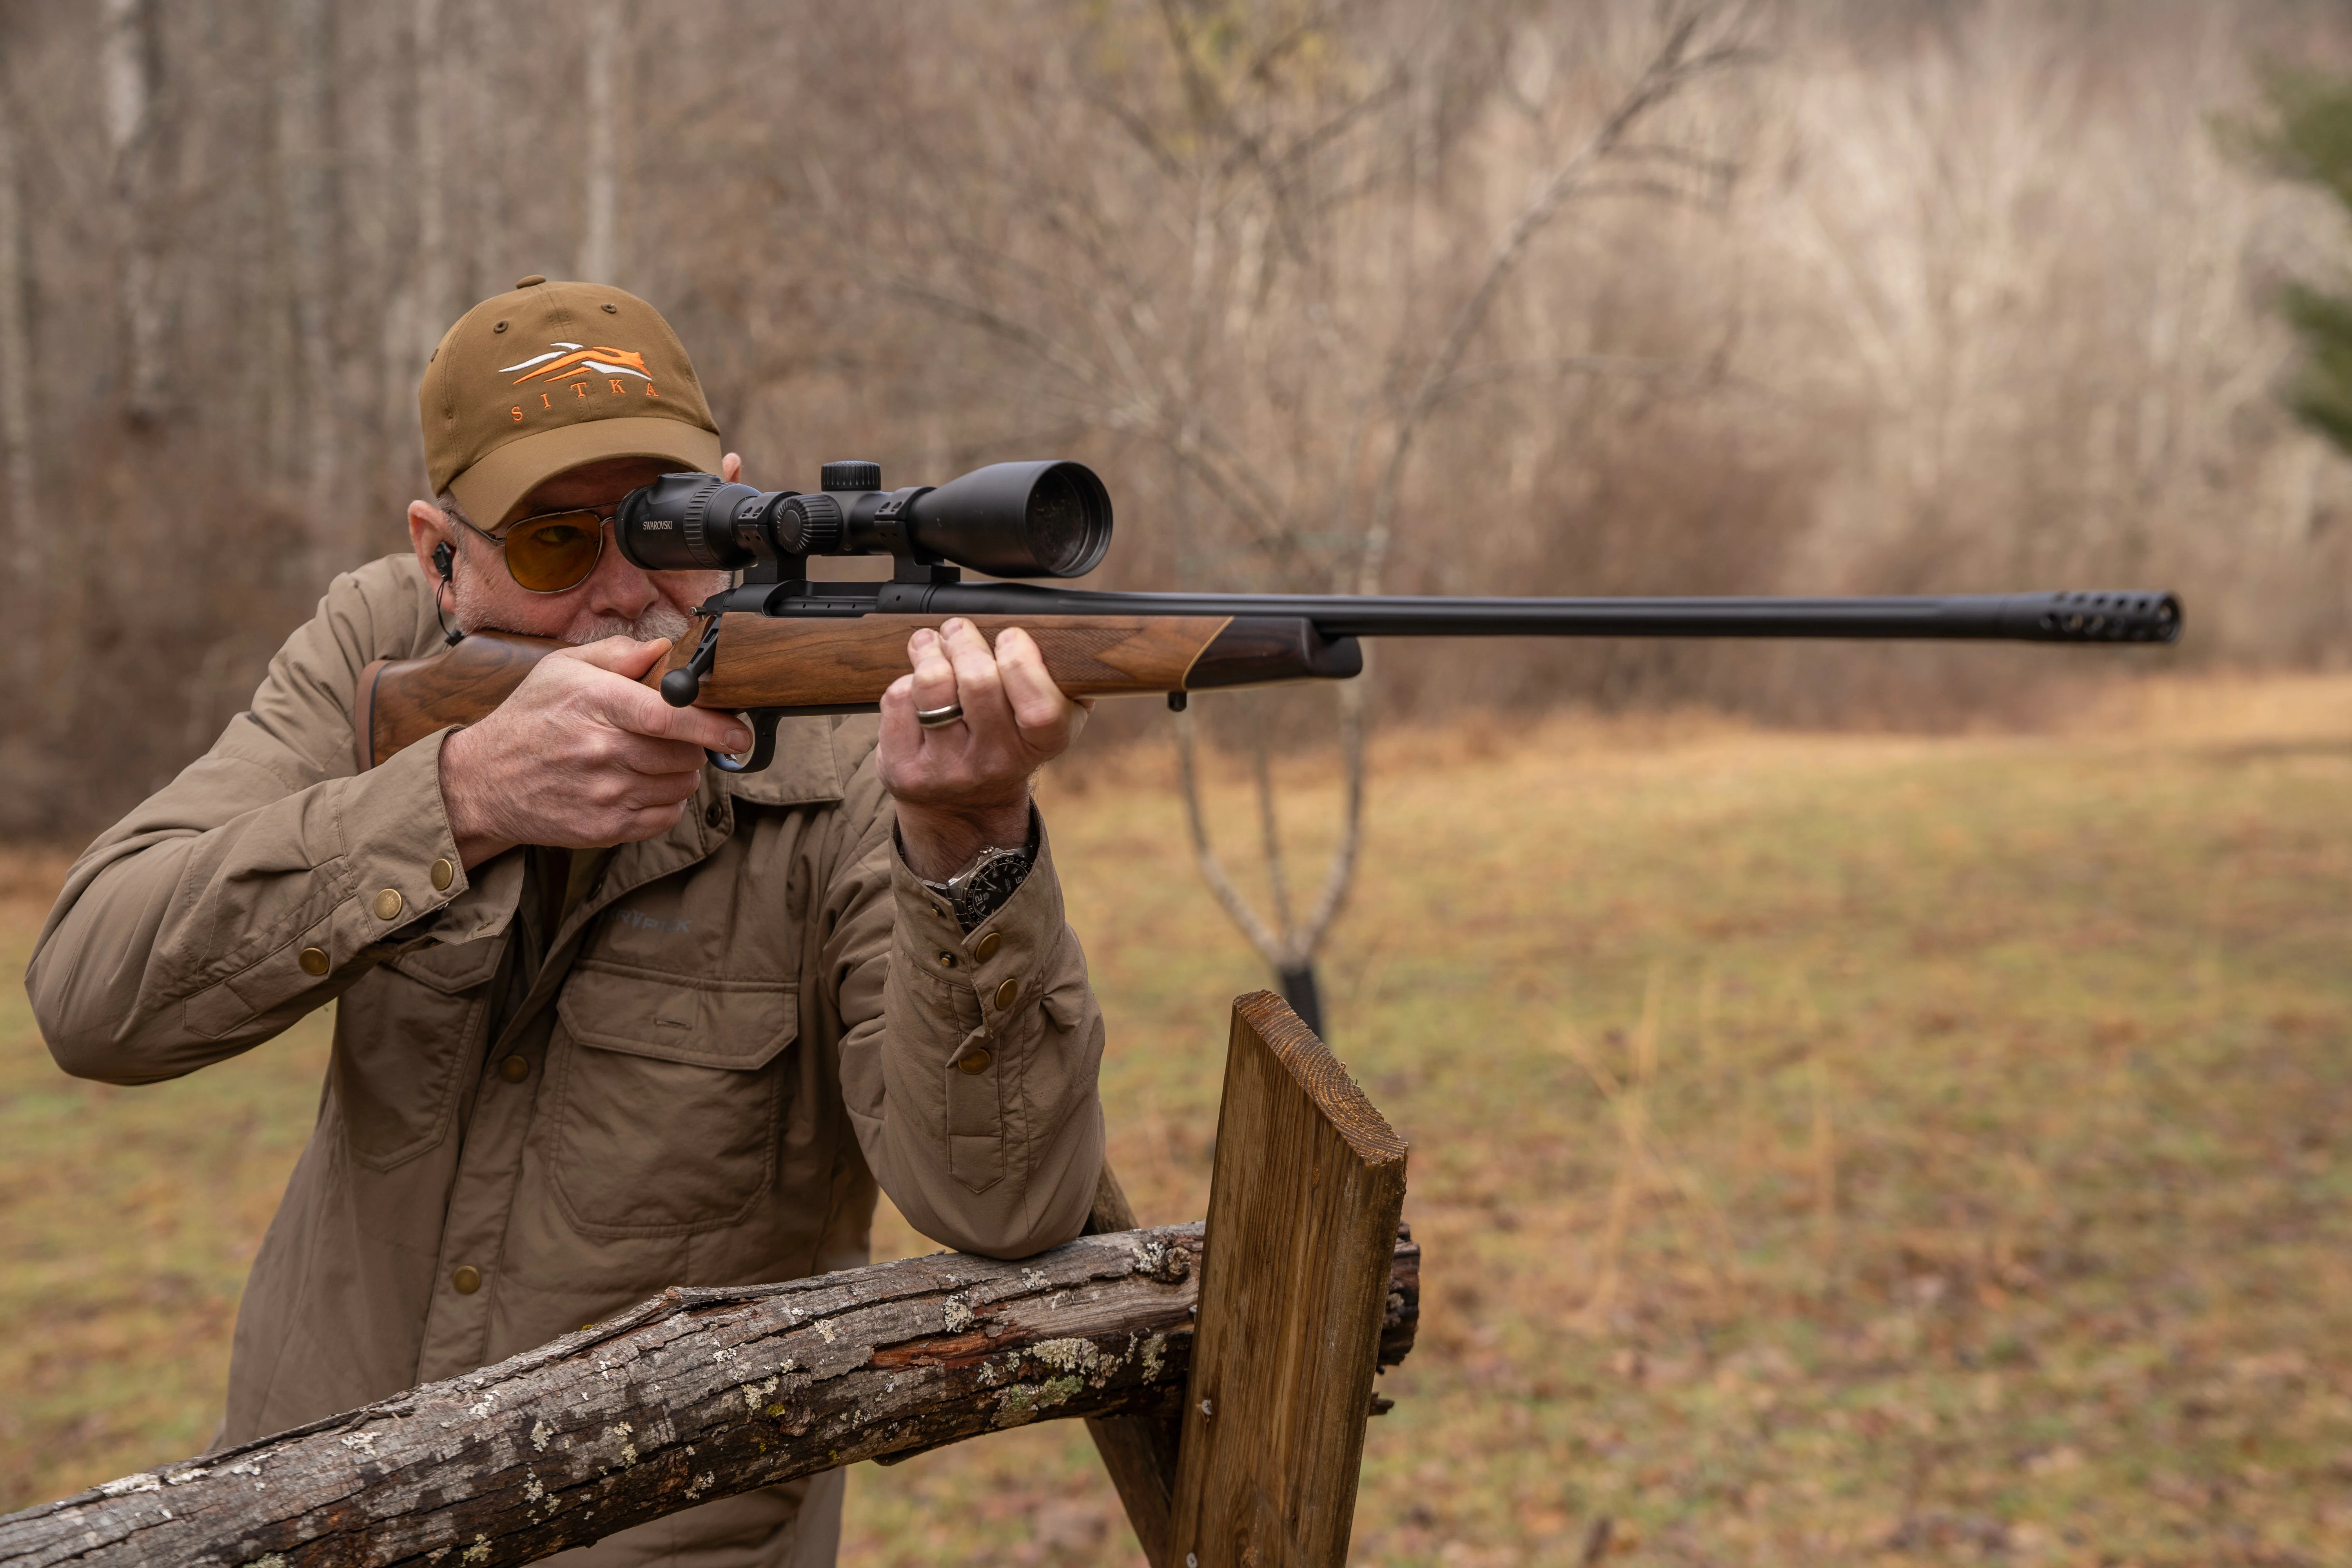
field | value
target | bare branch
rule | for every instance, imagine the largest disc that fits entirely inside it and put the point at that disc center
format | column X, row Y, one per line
column 1673, row 65
column 1213, row 871
column 1270, row 836
column 1341, row 878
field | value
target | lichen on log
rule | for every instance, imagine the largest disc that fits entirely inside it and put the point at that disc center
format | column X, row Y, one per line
column 696, row 1394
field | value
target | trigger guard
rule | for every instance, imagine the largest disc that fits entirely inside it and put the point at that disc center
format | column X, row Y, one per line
column 764, row 744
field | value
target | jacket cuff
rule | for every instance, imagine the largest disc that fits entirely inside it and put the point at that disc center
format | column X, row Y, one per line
column 398, row 884
column 1001, row 964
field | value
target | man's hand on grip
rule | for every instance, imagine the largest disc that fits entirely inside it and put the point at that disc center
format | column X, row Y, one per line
column 965, row 786
column 581, row 756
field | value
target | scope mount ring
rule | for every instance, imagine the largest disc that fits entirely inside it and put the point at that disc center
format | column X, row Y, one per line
column 763, row 743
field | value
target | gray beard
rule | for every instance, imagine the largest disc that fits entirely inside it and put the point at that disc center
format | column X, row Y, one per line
column 664, row 620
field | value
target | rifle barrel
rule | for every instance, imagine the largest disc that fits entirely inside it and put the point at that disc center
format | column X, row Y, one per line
column 2114, row 617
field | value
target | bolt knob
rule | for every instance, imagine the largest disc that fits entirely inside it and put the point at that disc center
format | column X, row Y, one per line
column 851, row 477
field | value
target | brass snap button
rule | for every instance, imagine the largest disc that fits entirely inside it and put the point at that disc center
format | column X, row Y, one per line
column 313, row 961
column 988, row 945
column 467, row 1280
column 947, row 960
column 1006, row 995
column 975, row 1060
column 388, row 904
column 514, row 1069
column 444, row 873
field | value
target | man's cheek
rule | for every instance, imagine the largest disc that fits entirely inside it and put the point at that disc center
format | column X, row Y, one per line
column 687, row 589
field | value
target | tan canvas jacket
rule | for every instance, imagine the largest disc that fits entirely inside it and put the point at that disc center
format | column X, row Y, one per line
column 740, row 1025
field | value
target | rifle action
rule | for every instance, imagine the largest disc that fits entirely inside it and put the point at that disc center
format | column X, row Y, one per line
column 780, row 644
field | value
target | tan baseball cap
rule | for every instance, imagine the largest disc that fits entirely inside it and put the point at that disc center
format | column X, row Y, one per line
column 551, row 376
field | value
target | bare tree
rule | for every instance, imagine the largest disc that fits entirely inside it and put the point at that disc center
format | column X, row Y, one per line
column 306, row 189
column 430, row 65
column 598, row 240
column 1301, row 156
column 28, row 545
column 132, row 62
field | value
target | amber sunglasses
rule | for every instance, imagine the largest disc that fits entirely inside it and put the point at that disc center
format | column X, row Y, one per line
column 554, row 551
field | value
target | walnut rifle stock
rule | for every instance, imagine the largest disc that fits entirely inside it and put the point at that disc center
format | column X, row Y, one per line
column 772, row 650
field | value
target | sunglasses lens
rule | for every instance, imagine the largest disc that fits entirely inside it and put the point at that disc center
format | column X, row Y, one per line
column 549, row 554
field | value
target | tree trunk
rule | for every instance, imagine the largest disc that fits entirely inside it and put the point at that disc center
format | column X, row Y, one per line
column 429, row 66
column 694, row 1395
column 597, row 237
column 25, row 534
column 1306, row 998
column 306, row 186
column 128, row 71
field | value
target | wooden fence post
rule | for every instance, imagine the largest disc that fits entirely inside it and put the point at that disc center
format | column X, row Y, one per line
column 1302, row 1209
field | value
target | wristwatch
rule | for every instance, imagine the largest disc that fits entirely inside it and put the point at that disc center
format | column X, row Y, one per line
column 986, row 881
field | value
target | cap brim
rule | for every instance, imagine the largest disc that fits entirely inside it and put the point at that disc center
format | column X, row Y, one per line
column 493, row 487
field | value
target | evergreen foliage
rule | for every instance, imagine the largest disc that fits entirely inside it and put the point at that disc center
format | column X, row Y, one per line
column 2311, row 139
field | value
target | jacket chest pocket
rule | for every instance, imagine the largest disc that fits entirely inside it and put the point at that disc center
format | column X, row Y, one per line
column 402, row 1036
column 670, row 1099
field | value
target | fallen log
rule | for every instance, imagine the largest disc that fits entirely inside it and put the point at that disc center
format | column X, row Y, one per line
column 696, row 1394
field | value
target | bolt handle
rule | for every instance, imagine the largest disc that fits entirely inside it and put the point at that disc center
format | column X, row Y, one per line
column 681, row 686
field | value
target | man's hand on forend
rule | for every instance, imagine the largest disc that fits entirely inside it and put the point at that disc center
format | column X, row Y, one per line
column 581, row 756
column 964, row 786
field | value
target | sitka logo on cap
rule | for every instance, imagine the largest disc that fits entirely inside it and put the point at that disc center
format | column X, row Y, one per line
column 561, row 365
column 579, row 366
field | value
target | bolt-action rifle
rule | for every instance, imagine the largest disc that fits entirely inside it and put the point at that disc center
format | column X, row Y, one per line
column 780, row 644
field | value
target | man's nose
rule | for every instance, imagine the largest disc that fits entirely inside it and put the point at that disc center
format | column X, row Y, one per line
column 618, row 586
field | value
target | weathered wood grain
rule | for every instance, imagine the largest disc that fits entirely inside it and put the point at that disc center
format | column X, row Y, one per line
column 1302, row 1207
column 693, row 1395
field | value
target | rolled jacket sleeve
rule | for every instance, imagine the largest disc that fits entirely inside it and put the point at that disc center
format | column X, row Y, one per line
column 970, row 1059
column 181, row 935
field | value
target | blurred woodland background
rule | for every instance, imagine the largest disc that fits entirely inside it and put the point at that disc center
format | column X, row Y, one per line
column 1872, row 1148
column 1526, row 296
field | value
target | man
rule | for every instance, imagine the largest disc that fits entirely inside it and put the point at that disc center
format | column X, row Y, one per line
column 609, row 1020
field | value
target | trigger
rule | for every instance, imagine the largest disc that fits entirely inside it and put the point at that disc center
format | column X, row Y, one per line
column 764, row 744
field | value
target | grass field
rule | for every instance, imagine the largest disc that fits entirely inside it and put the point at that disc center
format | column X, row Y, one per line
column 1826, row 1150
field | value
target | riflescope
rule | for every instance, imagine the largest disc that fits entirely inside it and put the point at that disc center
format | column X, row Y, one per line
column 1044, row 519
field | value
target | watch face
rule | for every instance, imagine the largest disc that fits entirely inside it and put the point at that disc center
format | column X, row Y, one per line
column 983, row 890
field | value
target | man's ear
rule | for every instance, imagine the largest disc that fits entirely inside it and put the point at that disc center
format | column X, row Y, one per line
column 428, row 526
column 730, row 466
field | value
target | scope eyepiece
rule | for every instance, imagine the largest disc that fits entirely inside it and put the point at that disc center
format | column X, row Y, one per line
column 1050, row 518
column 692, row 523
